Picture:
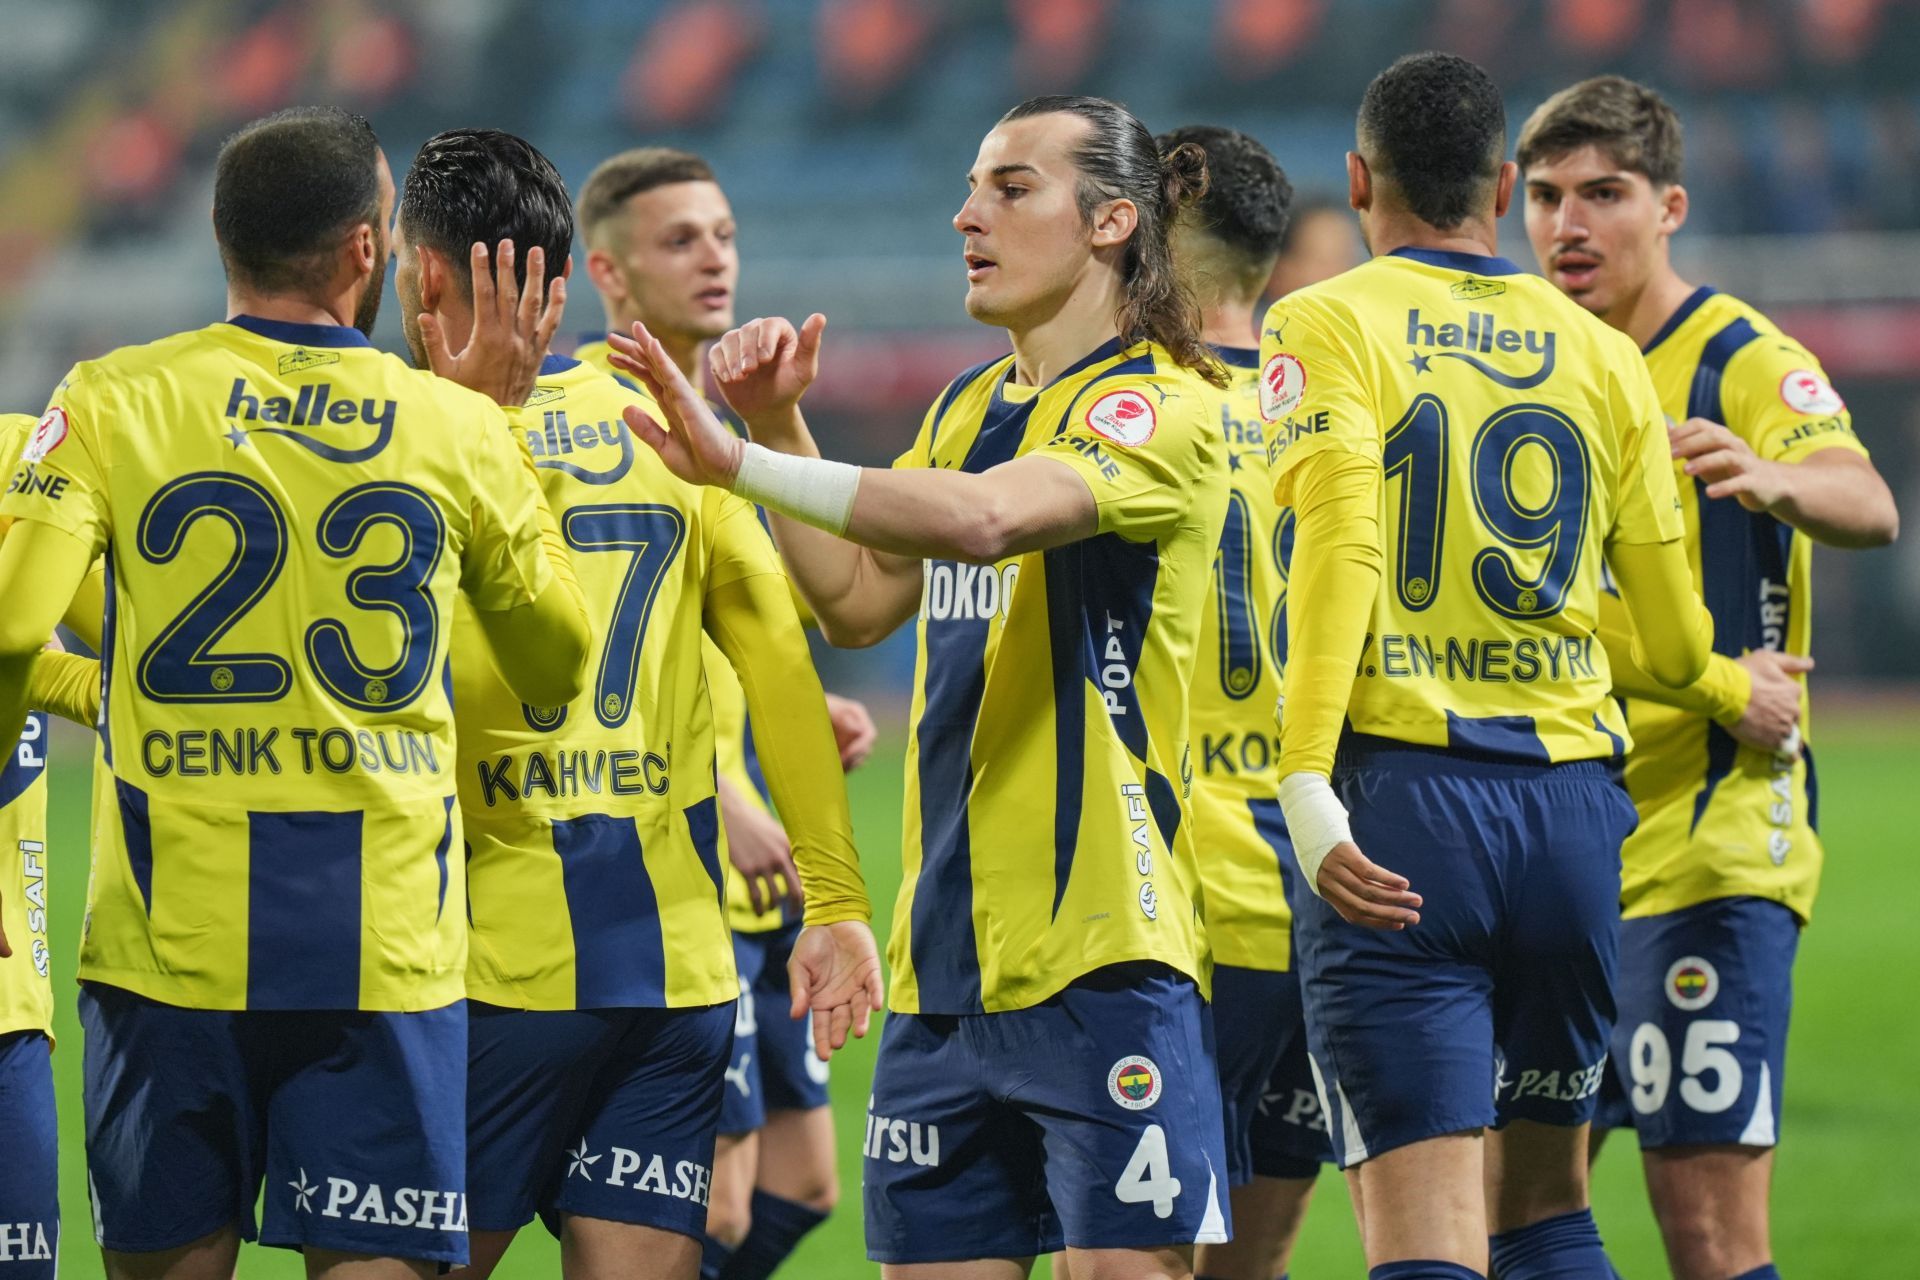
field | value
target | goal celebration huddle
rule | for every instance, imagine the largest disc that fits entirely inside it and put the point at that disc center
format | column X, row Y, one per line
column 1365, row 727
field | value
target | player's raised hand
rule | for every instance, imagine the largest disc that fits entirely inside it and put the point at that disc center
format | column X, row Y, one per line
column 757, row 847
column 853, row 730
column 1771, row 721
column 766, row 365
column 695, row 444
column 512, row 328
column 1364, row 893
column 835, row 972
column 1728, row 465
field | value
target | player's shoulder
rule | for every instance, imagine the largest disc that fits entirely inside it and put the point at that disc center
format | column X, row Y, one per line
column 1141, row 392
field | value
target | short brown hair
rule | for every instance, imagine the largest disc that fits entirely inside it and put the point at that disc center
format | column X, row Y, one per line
column 626, row 175
column 1631, row 124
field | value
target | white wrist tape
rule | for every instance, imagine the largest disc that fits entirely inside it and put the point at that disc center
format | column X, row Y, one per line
column 810, row 490
column 1316, row 821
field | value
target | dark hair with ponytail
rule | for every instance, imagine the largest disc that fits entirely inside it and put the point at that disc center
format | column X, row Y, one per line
column 1118, row 159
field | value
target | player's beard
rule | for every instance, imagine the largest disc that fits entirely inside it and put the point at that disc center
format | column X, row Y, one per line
column 368, row 312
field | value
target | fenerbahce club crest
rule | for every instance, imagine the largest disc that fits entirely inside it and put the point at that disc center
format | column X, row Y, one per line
column 1134, row 1082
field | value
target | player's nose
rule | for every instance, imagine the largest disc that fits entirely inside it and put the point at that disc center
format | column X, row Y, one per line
column 967, row 220
column 1568, row 226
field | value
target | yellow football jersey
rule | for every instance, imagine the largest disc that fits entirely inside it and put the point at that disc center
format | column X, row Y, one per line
column 1237, row 827
column 1718, row 819
column 732, row 741
column 595, row 865
column 1047, row 759
column 26, row 992
column 288, row 516
column 1519, row 436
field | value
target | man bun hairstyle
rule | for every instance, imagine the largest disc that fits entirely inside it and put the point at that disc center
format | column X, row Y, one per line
column 1632, row 125
column 287, row 189
column 1433, row 126
column 1246, row 202
column 486, row 185
column 620, row 178
column 1118, row 159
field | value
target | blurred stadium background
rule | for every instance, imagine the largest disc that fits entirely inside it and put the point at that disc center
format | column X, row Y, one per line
column 841, row 129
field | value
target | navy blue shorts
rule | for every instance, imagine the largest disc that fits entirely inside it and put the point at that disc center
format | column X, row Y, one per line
column 30, row 1167
column 1275, row 1128
column 774, row 1067
column 1090, row 1120
column 1498, row 1004
column 355, row 1122
column 605, row 1113
column 1700, row 1051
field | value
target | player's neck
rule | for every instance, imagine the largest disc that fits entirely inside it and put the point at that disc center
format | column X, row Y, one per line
column 1391, row 230
column 1044, row 351
column 288, row 309
column 1230, row 322
column 1646, row 313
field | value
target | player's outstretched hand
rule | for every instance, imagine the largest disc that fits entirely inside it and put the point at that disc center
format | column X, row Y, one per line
column 1728, row 465
column 757, row 847
column 853, row 730
column 695, row 445
column 1366, row 894
column 766, row 365
column 512, row 328
column 1771, row 721
column 835, row 971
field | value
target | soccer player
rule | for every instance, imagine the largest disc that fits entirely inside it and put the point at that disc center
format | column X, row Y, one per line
column 1225, row 246
column 274, row 965
column 1460, row 446
column 1721, row 875
column 1046, row 1075
column 29, row 1176
column 661, row 250
column 601, row 979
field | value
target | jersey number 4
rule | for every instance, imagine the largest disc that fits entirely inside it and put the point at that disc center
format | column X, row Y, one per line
column 1547, row 518
column 182, row 664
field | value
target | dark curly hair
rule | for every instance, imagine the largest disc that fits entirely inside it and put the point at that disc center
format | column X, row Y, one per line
column 1248, row 199
column 1117, row 159
column 1434, row 127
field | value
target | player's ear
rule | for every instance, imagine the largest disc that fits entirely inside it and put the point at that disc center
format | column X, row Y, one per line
column 1359, row 183
column 1673, row 208
column 605, row 275
column 1113, row 222
column 1503, row 187
column 566, row 268
column 363, row 248
column 433, row 277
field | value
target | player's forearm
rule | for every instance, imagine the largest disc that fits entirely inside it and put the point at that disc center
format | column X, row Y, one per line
column 67, row 685
column 41, row 568
column 540, row 648
column 858, row 596
column 1837, row 498
column 753, row 622
column 1335, row 578
column 86, row 615
column 1722, row 693
column 1672, row 630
